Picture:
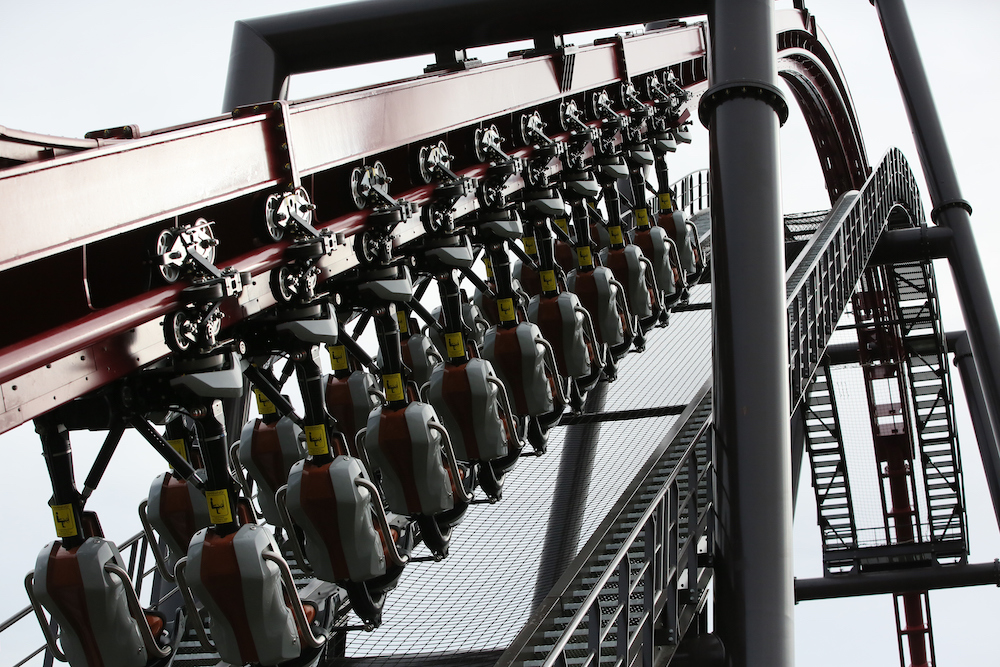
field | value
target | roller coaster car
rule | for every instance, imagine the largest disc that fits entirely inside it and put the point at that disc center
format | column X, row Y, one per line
column 413, row 460
column 472, row 402
column 474, row 319
column 604, row 298
column 420, row 357
column 176, row 510
column 247, row 588
column 568, row 327
column 334, row 504
column 268, row 451
column 349, row 400
column 661, row 251
column 685, row 237
column 91, row 598
column 633, row 270
column 565, row 255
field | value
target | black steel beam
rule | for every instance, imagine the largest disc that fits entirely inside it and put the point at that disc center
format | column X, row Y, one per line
column 268, row 50
column 919, row 244
column 898, row 581
column 950, row 209
column 847, row 353
column 989, row 450
column 753, row 585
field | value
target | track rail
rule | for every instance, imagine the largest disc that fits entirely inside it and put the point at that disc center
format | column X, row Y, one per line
column 102, row 205
column 226, row 161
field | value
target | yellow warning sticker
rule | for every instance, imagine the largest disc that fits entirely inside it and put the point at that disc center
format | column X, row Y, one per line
column 562, row 224
column 583, row 256
column 338, row 357
column 529, row 245
column 393, row 384
column 219, row 511
column 666, row 205
column 62, row 515
column 178, row 446
column 642, row 217
column 505, row 308
column 264, row 406
column 455, row 345
column 316, row 440
column 615, row 234
column 548, row 278
column 489, row 267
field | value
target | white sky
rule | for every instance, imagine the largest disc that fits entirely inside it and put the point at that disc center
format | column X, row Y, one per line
column 70, row 67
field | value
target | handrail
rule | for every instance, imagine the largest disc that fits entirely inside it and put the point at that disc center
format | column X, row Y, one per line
column 630, row 496
column 622, row 553
column 693, row 192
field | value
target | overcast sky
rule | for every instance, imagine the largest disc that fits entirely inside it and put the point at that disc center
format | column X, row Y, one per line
column 71, row 67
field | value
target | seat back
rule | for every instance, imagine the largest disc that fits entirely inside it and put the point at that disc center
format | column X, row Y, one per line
column 519, row 361
column 406, row 455
column 349, row 400
column 176, row 510
column 599, row 296
column 336, row 517
column 563, row 327
column 89, row 604
column 243, row 595
column 467, row 400
column 268, row 451
column 656, row 246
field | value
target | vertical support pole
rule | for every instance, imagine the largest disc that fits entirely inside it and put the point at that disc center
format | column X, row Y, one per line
column 950, row 209
column 754, row 585
column 985, row 435
column 67, row 507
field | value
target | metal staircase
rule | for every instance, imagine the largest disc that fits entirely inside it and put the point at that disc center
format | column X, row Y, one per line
column 635, row 587
column 828, row 465
column 914, row 289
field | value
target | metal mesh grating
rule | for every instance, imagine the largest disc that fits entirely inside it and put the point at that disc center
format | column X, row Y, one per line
column 479, row 597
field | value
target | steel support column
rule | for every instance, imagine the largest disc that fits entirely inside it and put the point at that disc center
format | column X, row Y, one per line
column 754, row 583
column 989, row 451
column 950, row 209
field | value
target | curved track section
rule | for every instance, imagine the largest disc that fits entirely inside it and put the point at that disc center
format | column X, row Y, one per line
column 809, row 67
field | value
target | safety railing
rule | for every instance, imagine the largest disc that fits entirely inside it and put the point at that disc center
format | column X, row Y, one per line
column 641, row 578
column 693, row 192
column 668, row 569
column 136, row 552
column 823, row 277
